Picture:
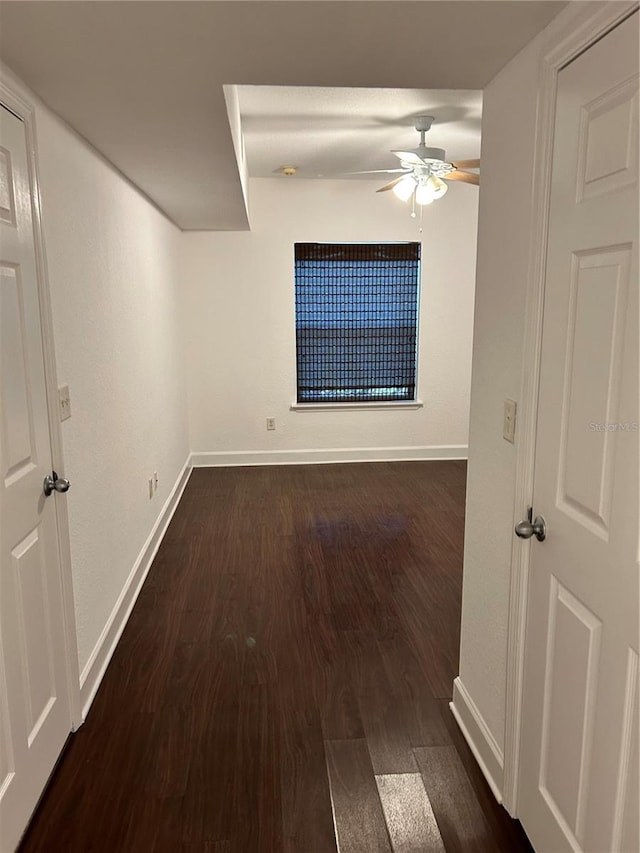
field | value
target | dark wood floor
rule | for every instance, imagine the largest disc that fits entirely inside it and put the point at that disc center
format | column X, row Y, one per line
column 287, row 670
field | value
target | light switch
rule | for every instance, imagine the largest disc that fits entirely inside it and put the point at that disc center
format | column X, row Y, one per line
column 509, row 422
column 64, row 402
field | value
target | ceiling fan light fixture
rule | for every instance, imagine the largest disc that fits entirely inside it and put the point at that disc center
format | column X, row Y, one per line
column 430, row 189
column 423, row 196
column 405, row 187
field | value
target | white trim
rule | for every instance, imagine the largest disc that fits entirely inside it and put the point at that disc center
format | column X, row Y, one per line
column 336, row 407
column 25, row 111
column 96, row 666
column 579, row 32
column 230, row 458
column 481, row 742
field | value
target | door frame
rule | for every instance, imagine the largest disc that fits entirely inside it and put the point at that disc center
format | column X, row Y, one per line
column 25, row 111
column 577, row 36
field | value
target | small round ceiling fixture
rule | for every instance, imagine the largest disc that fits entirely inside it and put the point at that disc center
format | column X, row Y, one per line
column 289, row 170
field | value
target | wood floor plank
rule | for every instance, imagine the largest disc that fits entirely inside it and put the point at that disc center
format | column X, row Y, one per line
column 508, row 834
column 257, row 788
column 286, row 606
column 341, row 718
column 410, row 820
column 460, row 819
column 359, row 820
column 419, row 711
column 173, row 731
column 385, row 728
column 307, row 815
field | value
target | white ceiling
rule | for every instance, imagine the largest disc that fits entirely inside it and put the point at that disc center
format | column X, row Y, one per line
column 143, row 81
column 327, row 132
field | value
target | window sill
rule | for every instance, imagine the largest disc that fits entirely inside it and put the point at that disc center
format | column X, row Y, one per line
column 335, row 407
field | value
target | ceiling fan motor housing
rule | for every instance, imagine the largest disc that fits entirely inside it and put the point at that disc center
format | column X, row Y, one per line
column 432, row 161
column 436, row 154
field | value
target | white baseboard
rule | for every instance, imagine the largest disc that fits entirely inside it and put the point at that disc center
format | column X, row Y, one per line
column 228, row 458
column 482, row 743
column 93, row 673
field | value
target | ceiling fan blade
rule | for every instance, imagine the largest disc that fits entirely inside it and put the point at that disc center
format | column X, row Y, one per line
column 467, row 177
column 390, row 185
column 409, row 157
column 467, row 164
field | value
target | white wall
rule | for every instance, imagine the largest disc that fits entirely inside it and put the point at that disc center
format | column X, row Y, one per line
column 505, row 236
column 115, row 284
column 508, row 133
column 239, row 323
column 114, row 275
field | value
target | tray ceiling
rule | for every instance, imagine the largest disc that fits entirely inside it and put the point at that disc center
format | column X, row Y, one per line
column 143, row 81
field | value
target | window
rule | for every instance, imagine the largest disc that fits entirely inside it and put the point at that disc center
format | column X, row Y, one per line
column 356, row 321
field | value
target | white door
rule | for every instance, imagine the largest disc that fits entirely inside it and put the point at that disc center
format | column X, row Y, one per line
column 579, row 753
column 34, row 701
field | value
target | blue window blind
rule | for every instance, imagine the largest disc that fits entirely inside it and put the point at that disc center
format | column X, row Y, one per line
column 356, row 321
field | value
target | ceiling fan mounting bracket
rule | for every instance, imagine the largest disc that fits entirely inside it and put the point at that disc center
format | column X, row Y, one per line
column 423, row 123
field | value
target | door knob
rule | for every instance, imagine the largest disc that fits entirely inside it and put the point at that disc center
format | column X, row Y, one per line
column 54, row 483
column 528, row 528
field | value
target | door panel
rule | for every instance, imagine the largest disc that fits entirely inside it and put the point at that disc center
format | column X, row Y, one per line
column 578, row 774
column 7, row 201
column 595, row 328
column 29, row 578
column 608, row 142
column 34, row 704
column 6, row 751
column 626, row 831
column 17, row 418
column 573, row 646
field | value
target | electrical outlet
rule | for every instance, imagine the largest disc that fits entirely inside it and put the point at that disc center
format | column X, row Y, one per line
column 150, row 487
column 509, row 421
column 155, row 481
column 271, row 423
column 64, row 402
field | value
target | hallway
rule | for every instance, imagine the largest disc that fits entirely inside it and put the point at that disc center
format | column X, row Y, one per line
column 288, row 664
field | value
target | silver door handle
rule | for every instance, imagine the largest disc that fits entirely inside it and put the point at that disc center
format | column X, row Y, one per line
column 528, row 528
column 54, row 483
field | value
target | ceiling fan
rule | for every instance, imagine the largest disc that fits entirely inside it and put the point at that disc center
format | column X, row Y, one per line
column 424, row 170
